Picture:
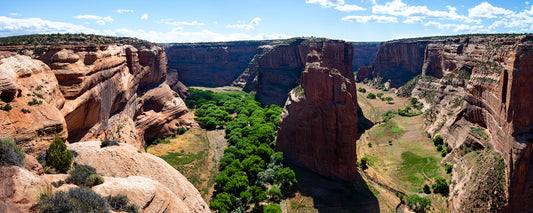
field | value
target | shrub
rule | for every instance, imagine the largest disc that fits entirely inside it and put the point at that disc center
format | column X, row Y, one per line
column 58, row 183
column 7, row 107
column 440, row 186
column 58, row 156
column 439, row 148
column 364, row 163
column 108, row 142
column 389, row 99
column 84, row 175
column 118, row 202
column 131, row 208
column 369, row 144
column 438, row 140
column 390, row 142
column 274, row 194
column 387, row 115
column 414, row 101
column 448, row 168
column 379, row 94
column 35, row 102
column 75, row 200
column 361, row 89
column 443, row 153
column 417, row 203
column 371, row 96
column 10, row 153
column 181, row 131
column 287, row 180
column 272, row 208
column 426, row 189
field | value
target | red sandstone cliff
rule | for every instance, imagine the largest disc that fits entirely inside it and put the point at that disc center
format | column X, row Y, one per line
column 493, row 74
column 209, row 64
column 318, row 125
column 110, row 90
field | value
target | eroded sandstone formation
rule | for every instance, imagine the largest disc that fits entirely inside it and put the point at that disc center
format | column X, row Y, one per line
column 91, row 91
column 318, row 126
column 492, row 74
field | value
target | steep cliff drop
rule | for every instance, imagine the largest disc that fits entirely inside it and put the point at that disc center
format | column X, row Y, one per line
column 318, row 125
column 491, row 74
column 102, row 91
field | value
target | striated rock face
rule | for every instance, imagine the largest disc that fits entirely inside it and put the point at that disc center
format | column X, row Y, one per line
column 210, row 64
column 124, row 161
column 318, row 125
column 492, row 75
column 91, row 92
column 364, row 53
column 30, row 88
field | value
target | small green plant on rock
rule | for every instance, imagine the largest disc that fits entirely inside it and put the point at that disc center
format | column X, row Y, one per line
column 11, row 153
column 58, row 156
column 107, row 142
column 85, row 176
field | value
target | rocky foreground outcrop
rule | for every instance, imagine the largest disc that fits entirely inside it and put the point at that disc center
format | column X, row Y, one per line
column 492, row 75
column 318, row 126
column 148, row 181
column 92, row 92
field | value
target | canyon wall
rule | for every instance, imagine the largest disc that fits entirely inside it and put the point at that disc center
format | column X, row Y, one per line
column 491, row 73
column 97, row 91
column 318, row 125
column 364, row 53
column 209, row 64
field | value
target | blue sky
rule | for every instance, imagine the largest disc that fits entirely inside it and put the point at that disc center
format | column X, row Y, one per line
column 217, row 20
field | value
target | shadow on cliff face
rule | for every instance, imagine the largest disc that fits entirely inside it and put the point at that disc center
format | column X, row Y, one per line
column 335, row 195
column 363, row 123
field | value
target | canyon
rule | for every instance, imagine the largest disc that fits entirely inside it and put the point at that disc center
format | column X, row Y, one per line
column 490, row 73
column 475, row 91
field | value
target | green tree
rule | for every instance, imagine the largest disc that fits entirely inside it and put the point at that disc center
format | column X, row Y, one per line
column 258, row 194
column 361, row 89
column 441, row 186
column 222, row 203
column 379, row 94
column 426, row 189
column 389, row 99
column 274, row 194
column 438, row 140
column 417, row 203
column 364, row 163
column 414, row 101
column 448, row 168
column 371, row 96
column 271, row 208
column 287, row 180
column 58, row 156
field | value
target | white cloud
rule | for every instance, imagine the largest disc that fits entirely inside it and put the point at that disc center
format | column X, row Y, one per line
column 458, row 27
column 336, row 4
column 122, row 11
column 99, row 20
column 523, row 20
column 14, row 14
column 371, row 19
column 255, row 21
column 412, row 20
column 12, row 26
column 326, row 3
column 349, row 8
column 177, row 23
column 144, row 17
column 249, row 26
column 486, row 10
column 398, row 8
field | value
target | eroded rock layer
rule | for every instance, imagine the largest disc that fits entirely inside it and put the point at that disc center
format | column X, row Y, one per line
column 92, row 92
column 492, row 74
column 318, row 125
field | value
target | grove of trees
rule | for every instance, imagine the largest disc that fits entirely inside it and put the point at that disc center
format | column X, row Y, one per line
column 251, row 173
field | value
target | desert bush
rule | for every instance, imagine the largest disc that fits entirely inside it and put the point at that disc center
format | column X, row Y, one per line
column 417, row 203
column 181, row 131
column 84, row 175
column 107, row 142
column 131, row 208
column 10, row 153
column 438, row 140
column 75, row 200
column 361, row 89
column 448, row 168
column 272, row 208
column 441, row 186
column 426, row 189
column 118, row 202
column 371, row 96
column 274, row 194
column 7, row 107
column 58, row 156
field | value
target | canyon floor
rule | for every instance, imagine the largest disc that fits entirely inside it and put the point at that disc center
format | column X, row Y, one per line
column 400, row 153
